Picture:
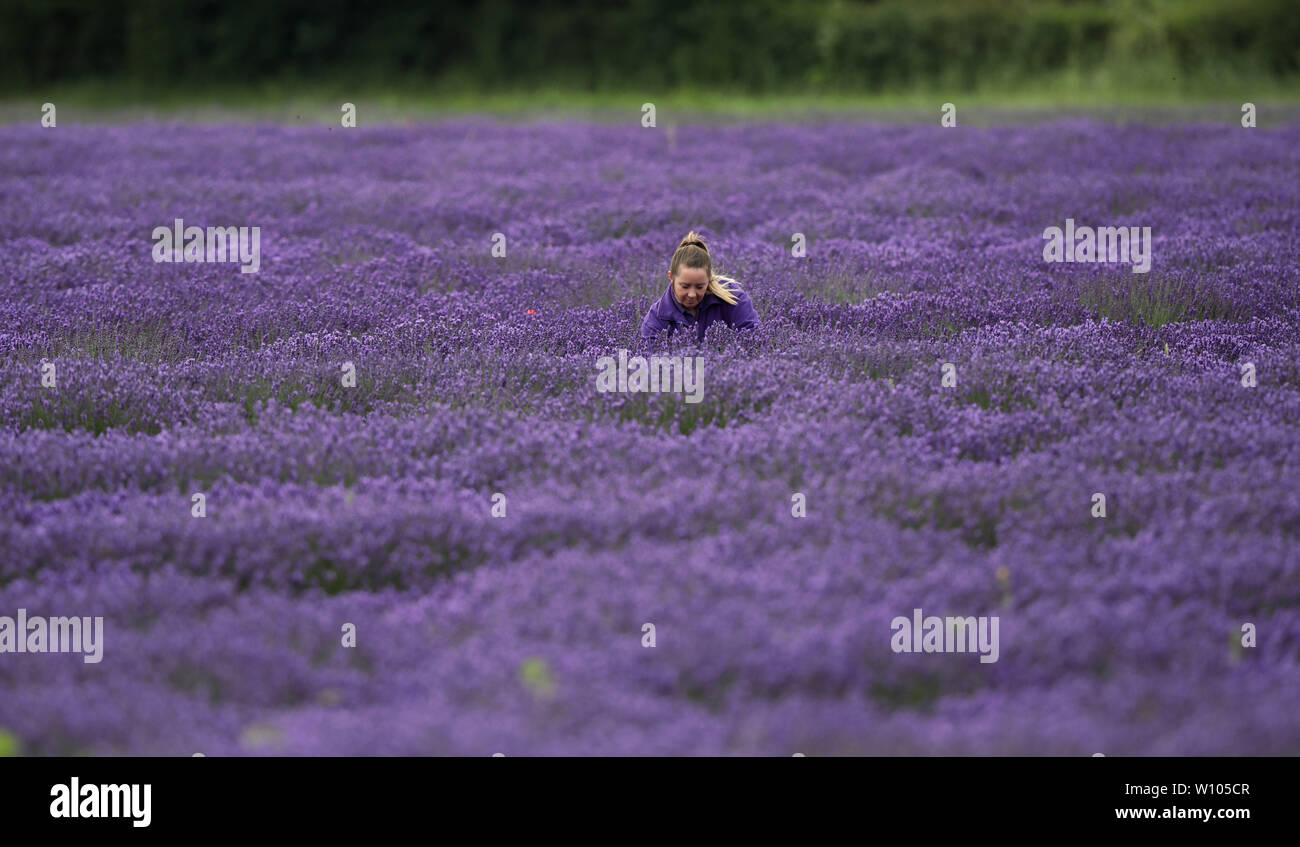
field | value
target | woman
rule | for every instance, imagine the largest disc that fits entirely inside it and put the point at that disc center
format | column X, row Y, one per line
column 696, row 296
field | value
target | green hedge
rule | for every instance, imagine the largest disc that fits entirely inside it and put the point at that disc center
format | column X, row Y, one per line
column 1261, row 33
column 759, row 46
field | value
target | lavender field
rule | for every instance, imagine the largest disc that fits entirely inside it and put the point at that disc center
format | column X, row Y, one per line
column 475, row 375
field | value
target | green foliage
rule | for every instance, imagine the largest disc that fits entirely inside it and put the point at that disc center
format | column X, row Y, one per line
column 917, row 691
column 537, row 678
column 763, row 46
column 1157, row 299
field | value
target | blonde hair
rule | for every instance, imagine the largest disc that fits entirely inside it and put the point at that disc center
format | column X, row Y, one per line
column 691, row 253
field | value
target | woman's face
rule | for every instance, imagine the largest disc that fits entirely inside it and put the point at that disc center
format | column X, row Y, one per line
column 690, row 285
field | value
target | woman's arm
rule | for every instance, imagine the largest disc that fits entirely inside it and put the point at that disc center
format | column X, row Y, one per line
column 653, row 324
column 743, row 314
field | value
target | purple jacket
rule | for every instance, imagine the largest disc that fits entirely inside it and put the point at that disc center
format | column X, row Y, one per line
column 668, row 314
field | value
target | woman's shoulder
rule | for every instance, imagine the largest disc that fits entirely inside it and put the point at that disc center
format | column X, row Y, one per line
column 662, row 308
column 665, row 300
